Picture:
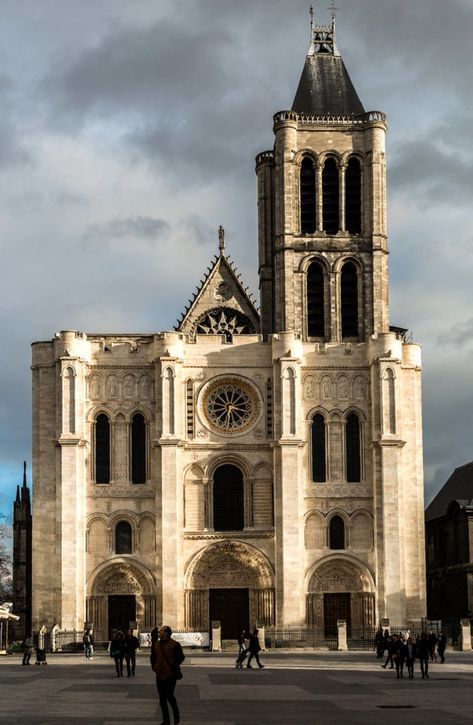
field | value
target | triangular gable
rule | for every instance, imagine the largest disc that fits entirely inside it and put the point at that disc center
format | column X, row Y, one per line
column 221, row 305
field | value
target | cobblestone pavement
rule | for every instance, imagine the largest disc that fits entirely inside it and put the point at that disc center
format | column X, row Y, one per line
column 307, row 687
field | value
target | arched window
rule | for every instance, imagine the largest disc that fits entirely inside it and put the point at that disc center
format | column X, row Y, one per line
column 123, row 538
column 307, row 188
column 330, row 196
column 353, row 449
column 315, row 301
column 102, row 449
column 318, row 449
column 337, row 533
column 353, row 197
column 138, row 449
column 349, row 295
column 228, row 506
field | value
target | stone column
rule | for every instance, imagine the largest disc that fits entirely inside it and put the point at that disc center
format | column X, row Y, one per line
column 342, row 641
column 216, row 637
column 465, row 629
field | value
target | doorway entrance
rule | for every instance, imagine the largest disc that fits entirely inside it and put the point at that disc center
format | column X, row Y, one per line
column 336, row 606
column 231, row 607
column 121, row 611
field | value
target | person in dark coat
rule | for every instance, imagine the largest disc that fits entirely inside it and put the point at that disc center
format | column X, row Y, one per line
column 391, row 647
column 88, row 642
column 242, row 651
column 28, row 648
column 379, row 643
column 422, row 646
column 131, row 644
column 410, row 657
column 432, row 639
column 117, row 652
column 254, row 649
column 400, row 656
column 441, row 646
column 166, row 659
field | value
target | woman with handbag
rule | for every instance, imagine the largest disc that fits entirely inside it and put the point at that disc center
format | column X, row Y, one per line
column 166, row 659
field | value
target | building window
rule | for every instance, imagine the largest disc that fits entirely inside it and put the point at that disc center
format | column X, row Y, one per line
column 138, row 449
column 102, row 449
column 353, row 197
column 123, row 538
column 228, row 505
column 337, row 533
column 318, row 449
column 353, row 449
column 307, row 190
column 315, row 301
column 190, row 408
column 349, row 295
column 330, row 196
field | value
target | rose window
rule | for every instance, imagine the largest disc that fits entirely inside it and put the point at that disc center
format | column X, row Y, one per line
column 230, row 405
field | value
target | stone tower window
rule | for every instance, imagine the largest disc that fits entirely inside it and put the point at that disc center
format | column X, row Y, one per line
column 330, row 196
column 228, row 499
column 353, row 197
column 138, row 449
column 349, row 295
column 123, row 538
column 315, row 301
column 353, row 448
column 102, row 449
column 337, row 533
column 307, row 192
column 318, row 449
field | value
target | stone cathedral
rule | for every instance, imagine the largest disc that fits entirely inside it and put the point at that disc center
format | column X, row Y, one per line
column 251, row 466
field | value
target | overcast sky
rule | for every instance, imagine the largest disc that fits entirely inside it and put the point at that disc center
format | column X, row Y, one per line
column 128, row 131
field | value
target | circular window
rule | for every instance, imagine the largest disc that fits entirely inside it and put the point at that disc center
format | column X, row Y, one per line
column 230, row 405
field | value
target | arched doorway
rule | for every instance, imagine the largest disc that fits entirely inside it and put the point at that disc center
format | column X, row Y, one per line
column 230, row 581
column 341, row 588
column 119, row 592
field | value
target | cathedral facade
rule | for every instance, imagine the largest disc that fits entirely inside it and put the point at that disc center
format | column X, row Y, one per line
column 250, row 466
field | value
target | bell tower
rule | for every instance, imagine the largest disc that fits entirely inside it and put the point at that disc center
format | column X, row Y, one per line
column 323, row 257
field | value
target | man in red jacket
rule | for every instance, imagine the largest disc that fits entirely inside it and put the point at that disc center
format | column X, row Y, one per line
column 166, row 658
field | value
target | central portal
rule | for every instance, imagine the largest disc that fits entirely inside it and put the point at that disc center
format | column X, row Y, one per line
column 231, row 608
column 121, row 611
column 336, row 606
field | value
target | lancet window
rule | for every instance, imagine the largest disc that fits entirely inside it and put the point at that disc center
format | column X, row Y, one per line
column 353, row 448
column 228, row 499
column 349, row 300
column 102, row 449
column 123, row 538
column 336, row 533
column 315, row 301
column 330, row 196
column 307, row 192
column 138, row 449
column 353, row 196
column 318, row 449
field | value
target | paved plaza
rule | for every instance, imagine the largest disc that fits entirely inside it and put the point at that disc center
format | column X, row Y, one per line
column 305, row 687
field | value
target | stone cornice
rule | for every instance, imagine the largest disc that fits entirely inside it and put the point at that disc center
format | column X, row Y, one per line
column 222, row 536
column 107, row 490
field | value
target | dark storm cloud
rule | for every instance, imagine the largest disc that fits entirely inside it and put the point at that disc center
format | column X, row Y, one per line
column 435, row 175
column 139, row 227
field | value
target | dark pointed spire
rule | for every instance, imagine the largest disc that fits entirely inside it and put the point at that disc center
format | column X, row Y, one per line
column 325, row 88
column 17, row 500
column 24, row 475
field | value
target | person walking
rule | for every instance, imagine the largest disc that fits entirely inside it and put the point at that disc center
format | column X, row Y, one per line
column 28, row 649
column 400, row 656
column 131, row 644
column 410, row 657
column 242, row 651
column 423, row 655
column 117, row 652
column 391, row 648
column 88, row 641
column 432, row 640
column 441, row 646
column 254, row 649
column 166, row 659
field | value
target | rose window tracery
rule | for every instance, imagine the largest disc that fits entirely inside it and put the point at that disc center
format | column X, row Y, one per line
column 223, row 321
column 230, row 405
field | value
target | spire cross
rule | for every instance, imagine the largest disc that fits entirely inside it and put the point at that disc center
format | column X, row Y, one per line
column 311, row 13
column 333, row 10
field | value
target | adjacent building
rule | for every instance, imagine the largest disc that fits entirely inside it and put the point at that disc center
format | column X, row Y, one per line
column 449, row 537
column 251, row 465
